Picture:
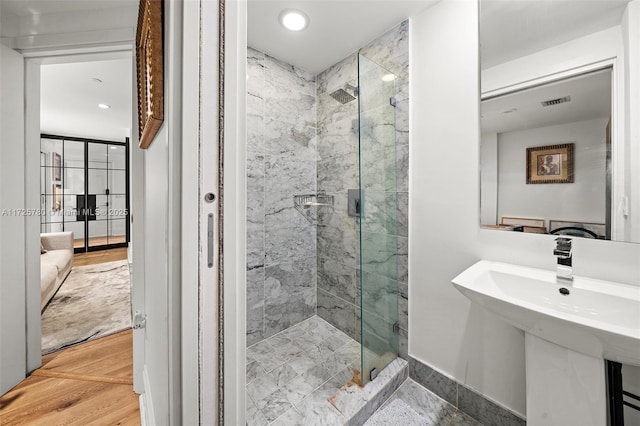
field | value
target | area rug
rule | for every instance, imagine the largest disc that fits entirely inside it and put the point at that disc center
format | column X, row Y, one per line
column 93, row 302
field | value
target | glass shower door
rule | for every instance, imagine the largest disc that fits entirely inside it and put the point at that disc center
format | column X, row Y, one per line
column 378, row 223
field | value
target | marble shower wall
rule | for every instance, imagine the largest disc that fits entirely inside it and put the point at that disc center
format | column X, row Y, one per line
column 301, row 140
column 281, row 162
column 338, row 235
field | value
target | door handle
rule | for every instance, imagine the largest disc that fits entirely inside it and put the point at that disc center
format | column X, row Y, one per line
column 210, row 240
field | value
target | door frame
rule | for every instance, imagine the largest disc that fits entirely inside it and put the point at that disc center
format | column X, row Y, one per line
column 185, row 305
column 206, row 393
column 232, row 42
column 13, row 270
column 222, row 164
column 33, row 62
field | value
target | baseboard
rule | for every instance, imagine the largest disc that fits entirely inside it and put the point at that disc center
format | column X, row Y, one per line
column 464, row 398
column 143, row 411
column 147, row 417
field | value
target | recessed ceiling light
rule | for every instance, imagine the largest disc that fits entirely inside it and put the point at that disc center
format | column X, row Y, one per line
column 388, row 77
column 104, row 106
column 114, row 147
column 294, row 20
column 96, row 80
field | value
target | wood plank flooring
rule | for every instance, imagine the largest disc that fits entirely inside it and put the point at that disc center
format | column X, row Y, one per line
column 86, row 384
column 94, row 257
column 109, row 356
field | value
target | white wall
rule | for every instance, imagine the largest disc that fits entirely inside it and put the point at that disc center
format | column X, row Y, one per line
column 582, row 201
column 489, row 179
column 13, row 343
column 32, row 198
column 566, row 56
column 9, row 25
column 161, row 241
column 447, row 332
column 156, row 273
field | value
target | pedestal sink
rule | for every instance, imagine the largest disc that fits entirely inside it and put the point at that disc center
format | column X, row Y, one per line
column 570, row 329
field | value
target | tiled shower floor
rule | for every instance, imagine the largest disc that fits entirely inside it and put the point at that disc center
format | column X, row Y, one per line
column 300, row 375
column 291, row 375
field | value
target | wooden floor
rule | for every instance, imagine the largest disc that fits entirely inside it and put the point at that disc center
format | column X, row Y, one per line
column 94, row 257
column 86, row 384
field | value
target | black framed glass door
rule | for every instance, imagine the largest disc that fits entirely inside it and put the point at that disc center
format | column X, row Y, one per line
column 89, row 181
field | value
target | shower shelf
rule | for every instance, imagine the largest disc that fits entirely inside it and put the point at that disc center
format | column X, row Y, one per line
column 304, row 204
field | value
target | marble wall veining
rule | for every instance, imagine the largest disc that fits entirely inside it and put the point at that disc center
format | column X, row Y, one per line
column 301, row 140
column 338, row 242
column 281, row 162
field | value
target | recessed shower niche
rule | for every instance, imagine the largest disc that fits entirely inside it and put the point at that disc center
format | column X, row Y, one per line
column 326, row 280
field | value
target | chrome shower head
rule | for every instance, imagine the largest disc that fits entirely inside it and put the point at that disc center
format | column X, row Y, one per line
column 343, row 96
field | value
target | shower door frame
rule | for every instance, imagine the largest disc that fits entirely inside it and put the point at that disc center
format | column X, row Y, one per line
column 229, row 39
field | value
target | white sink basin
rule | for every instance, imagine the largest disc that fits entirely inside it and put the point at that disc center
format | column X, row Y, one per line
column 598, row 318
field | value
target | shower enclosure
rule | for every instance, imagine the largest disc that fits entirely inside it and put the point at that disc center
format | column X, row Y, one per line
column 327, row 197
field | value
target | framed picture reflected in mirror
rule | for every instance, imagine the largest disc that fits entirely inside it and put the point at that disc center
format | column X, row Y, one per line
column 550, row 164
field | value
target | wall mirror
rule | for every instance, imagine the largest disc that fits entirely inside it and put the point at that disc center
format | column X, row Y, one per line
column 560, row 147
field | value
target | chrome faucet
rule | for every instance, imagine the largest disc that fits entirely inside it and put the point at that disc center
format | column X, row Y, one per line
column 564, row 271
